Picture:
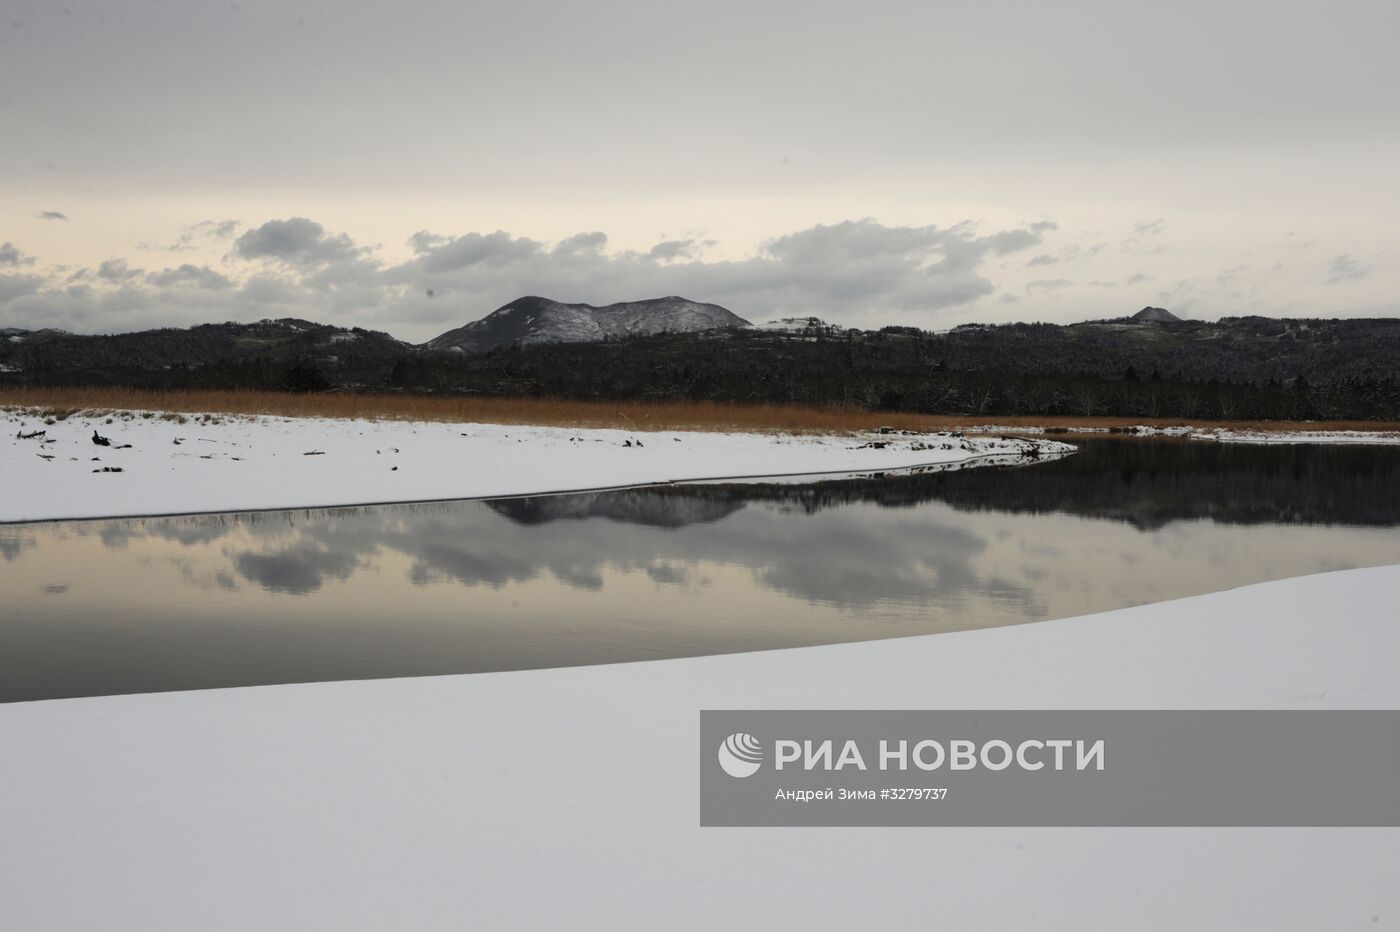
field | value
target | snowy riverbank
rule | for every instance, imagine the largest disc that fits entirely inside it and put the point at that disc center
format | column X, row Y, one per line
column 181, row 464
column 569, row 797
column 1215, row 433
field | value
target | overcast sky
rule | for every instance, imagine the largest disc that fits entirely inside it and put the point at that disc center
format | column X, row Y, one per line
column 413, row 165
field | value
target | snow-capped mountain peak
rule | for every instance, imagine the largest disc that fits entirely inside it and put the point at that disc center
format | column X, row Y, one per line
column 532, row 320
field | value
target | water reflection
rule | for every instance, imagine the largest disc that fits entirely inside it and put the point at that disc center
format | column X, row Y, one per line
column 126, row 606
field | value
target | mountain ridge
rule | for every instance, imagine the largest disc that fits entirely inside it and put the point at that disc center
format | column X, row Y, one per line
column 1240, row 367
column 532, row 320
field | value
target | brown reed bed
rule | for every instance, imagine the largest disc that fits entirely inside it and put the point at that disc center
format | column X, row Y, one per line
column 679, row 415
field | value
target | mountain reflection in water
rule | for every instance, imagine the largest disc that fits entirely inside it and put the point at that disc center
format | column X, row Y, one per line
column 142, row 605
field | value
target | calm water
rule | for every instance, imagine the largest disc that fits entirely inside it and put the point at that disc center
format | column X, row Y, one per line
column 92, row 608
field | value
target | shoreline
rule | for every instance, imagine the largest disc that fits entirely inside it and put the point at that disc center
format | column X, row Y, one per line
column 153, row 464
column 193, row 463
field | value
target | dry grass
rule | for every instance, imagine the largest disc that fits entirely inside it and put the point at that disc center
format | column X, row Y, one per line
column 60, row 402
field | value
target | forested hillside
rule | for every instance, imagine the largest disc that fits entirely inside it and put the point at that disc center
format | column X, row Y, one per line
column 1250, row 367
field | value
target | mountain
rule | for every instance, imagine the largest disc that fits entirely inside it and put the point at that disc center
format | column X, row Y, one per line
column 1155, row 315
column 533, row 320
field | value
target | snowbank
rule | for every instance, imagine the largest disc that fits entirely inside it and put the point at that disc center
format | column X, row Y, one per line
column 1247, row 435
column 569, row 797
column 1226, row 435
column 1219, row 434
column 184, row 464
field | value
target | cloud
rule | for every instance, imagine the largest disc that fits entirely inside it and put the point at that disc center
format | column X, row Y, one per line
column 11, row 256
column 189, row 276
column 581, row 243
column 860, row 272
column 422, row 241
column 1009, row 241
column 672, row 249
column 215, row 229
column 439, row 254
column 51, row 215
column 1043, row 285
column 114, row 270
column 866, row 245
column 1346, row 269
column 1072, row 252
column 296, row 241
column 1137, row 278
column 13, row 287
column 263, row 292
column 204, row 230
column 1150, row 227
column 852, row 268
column 1043, row 259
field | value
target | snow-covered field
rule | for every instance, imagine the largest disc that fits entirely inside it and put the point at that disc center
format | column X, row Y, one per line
column 569, row 798
column 183, row 464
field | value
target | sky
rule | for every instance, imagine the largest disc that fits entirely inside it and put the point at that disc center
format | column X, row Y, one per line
column 412, row 166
